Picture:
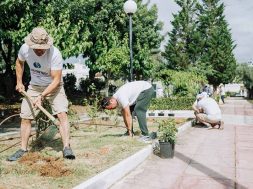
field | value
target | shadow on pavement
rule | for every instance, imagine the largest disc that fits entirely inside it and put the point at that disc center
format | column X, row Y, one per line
column 206, row 170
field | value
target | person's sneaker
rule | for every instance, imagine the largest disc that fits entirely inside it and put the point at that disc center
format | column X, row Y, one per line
column 153, row 135
column 145, row 139
column 68, row 153
column 18, row 154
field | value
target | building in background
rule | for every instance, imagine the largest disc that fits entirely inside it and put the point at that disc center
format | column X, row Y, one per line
column 237, row 88
column 80, row 70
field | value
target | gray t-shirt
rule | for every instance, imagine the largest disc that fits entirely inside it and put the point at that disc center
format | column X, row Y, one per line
column 128, row 93
column 41, row 66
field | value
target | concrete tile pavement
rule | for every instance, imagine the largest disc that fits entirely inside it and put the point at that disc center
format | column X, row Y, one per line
column 204, row 158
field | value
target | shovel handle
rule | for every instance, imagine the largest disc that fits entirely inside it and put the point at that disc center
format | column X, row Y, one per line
column 52, row 118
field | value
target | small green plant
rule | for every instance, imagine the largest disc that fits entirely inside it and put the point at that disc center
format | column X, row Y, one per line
column 167, row 130
column 113, row 115
column 93, row 112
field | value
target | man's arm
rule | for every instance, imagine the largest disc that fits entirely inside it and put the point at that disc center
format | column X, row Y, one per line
column 19, row 74
column 127, row 119
column 195, row 108
column 56, row 80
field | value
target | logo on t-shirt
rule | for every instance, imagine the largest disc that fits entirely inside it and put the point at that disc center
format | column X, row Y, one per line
column 36, row 65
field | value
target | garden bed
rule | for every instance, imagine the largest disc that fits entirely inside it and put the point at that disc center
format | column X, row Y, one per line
column 97, row 146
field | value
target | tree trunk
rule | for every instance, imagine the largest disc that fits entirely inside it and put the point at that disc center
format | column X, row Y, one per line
column 9, row 84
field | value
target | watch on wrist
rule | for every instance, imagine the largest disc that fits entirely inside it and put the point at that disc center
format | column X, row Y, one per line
column 42, row 97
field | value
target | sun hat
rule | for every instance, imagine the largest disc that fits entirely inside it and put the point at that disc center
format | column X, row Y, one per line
column 39, row 39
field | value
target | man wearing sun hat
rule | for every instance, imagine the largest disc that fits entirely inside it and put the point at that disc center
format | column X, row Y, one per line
column 207, row 111
column 45, row 63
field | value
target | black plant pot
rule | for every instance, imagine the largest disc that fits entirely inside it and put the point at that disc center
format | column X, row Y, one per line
column 160, row 114
column 166, row 149
column 151, row 114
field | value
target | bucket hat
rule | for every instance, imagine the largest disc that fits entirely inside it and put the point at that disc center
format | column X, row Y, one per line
column 39, row 39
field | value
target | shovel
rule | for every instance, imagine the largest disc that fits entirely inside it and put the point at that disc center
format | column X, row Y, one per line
column 51, row 130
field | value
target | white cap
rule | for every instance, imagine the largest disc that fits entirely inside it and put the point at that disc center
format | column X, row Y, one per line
column 202, row 95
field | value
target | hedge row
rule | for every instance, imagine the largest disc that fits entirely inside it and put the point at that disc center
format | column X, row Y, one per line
column 172, row 103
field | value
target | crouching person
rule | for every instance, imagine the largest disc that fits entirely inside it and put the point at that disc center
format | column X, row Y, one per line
column 207, row 111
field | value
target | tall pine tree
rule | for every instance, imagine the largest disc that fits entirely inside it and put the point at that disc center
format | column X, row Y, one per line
column 181, row 50
column 217, row 46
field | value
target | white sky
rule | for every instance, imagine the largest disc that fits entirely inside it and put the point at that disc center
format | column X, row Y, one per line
column 238, row 13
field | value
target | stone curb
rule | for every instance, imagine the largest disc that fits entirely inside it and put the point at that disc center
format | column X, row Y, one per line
column 184, row 127
column 108, row 177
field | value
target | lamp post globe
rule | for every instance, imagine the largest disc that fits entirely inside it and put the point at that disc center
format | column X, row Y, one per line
column 130, row 7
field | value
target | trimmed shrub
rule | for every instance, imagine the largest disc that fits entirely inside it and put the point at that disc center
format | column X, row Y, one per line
column 172, row 103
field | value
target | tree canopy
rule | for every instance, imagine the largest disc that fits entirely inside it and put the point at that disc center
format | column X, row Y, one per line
column 94, row 28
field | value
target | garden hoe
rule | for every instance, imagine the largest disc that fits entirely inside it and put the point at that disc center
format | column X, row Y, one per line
column 51, row 130
column 52, row 118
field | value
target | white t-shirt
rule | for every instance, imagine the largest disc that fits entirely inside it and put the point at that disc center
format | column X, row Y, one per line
column 210, row 107
column 128, row 93
column 41, row 66
column 222, row 91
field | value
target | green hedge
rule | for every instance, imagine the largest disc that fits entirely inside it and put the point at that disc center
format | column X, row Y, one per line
column 172, row 103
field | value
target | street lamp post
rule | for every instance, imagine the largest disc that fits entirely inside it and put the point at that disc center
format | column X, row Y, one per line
column 130, row 8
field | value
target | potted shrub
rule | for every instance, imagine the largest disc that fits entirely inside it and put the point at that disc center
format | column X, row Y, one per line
column 167, row 137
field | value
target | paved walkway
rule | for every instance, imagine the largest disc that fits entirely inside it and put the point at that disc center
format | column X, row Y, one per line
column 204, row 158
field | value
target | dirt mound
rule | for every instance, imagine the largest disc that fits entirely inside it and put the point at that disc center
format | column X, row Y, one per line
column 46, row 166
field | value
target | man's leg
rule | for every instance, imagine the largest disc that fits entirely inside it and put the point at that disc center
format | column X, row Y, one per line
column 64, row 128
column 27, row 114
column 25, row 131
column 64, row 131
column 202, row 118
column 217, row 122
column 142, row 104
column 59, row 105
column 25, row 134
column 222, row 98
